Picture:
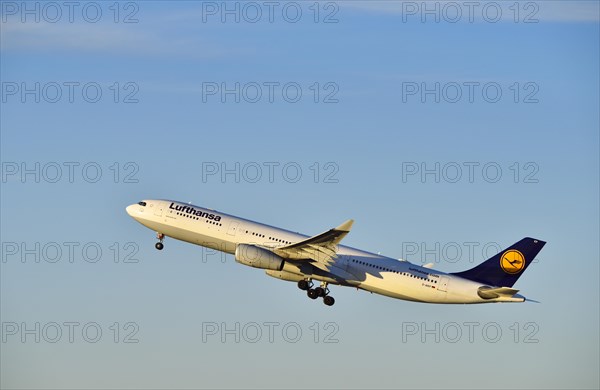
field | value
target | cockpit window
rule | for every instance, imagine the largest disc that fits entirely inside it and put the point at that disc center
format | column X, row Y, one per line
column 142, row 203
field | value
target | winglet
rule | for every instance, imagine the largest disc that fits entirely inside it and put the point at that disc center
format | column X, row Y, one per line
column 346, row 226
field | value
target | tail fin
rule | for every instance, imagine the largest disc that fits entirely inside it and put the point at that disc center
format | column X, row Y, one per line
column 506, row 267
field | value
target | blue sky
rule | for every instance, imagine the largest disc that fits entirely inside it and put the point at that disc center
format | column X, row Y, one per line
column 539, row 144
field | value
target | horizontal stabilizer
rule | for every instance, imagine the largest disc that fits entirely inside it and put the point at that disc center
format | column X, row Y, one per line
column 491, row 293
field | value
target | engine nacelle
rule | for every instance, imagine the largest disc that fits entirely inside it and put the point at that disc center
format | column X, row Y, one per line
column 256, row 257
column 285, row 275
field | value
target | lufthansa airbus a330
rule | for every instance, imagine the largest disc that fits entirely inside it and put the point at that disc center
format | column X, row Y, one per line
column 295, row 257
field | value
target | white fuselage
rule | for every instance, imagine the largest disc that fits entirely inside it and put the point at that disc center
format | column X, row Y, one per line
column 354, row 267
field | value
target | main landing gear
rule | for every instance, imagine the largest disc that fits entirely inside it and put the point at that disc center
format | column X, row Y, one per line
column 159, row 245
column 314, row 293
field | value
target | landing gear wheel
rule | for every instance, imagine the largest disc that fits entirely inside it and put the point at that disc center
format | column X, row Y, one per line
column 320, row 291
column 303, row 285
column 328, row 300
column 159, row 245
column 312, row 293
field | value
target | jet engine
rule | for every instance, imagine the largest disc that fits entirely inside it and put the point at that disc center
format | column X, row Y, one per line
column 257, row 257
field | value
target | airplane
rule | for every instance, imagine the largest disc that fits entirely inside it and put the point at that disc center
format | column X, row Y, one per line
column 295, row 257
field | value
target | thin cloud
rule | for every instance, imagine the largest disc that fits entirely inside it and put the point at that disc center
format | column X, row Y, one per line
column 572, row 11
column 106, row 39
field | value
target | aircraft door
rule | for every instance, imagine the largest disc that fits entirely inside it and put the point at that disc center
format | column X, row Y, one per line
column 158, row 209
column 234, row 226
column 443, row 283
column 346, row 262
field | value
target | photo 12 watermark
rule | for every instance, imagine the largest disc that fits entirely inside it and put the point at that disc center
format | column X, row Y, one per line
column 452, row 12
column 449, row 252
column 70, row 172
column 470, row 92
column 70, row 11
column 270, row 172
column 470, row 332
column 270, row 92
column 253, row 12
column 28, row 92
column 70, row 332
column 69, row 252
column 270, row 332
column 470, row 172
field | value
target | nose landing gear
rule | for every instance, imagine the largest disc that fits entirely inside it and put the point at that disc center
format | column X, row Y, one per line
column 314, row 293
column 159, row 245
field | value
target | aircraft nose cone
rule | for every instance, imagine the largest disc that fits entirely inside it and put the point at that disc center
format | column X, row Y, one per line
column 130, row 210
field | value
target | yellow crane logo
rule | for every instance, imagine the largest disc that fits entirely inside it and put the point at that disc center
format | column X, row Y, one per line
column 512, row 261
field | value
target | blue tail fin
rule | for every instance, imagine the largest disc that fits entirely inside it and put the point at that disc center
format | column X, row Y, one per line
column 506, row 267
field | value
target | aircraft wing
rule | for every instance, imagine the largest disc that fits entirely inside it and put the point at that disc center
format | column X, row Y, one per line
column 321, row 248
